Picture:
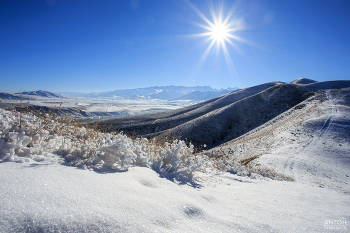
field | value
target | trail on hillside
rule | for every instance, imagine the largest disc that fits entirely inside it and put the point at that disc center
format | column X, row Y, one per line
column 310, row 142
column 296, row 163
column 322, row 157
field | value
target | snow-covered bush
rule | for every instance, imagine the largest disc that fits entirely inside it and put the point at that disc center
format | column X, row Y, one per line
column 177, row 158
column 29, row 137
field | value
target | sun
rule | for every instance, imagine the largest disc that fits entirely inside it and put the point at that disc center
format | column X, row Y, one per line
column 219, row 32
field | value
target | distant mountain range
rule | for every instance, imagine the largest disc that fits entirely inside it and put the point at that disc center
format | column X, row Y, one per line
column 163, row 92
column 199, row 93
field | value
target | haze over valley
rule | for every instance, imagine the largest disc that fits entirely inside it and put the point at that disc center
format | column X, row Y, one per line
column 114, row 103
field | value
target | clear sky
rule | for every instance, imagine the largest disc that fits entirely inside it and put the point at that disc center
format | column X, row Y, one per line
column 103, row 45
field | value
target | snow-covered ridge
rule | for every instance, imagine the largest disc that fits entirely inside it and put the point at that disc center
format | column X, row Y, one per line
column 42, row 93
column 16, row 97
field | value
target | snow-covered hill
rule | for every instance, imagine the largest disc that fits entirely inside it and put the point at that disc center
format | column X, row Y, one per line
column 42, row 93
column 309, row 142
column 14, row 97
column 59, row 177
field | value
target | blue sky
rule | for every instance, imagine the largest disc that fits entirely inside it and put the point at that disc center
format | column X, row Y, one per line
column 103, row 45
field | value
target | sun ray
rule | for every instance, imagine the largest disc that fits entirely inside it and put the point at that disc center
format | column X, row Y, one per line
column 204, row 56
column 229, row 61
column 235, row 47
column 245, row 41
column 200, row 14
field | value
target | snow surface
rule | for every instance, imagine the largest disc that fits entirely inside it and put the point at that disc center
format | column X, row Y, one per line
column 37, row 197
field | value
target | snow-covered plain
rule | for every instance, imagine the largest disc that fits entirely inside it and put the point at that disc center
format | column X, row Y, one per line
column 69, row 181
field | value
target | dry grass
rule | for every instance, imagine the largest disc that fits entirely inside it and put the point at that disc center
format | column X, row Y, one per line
column 246, row 161
column 268, row 172
column 225, row 160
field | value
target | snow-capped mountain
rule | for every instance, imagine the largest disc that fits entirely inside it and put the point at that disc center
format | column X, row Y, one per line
column 161, row 92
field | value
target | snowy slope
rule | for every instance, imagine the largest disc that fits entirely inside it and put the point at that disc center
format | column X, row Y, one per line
column 318, row 150
column 310, row 142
